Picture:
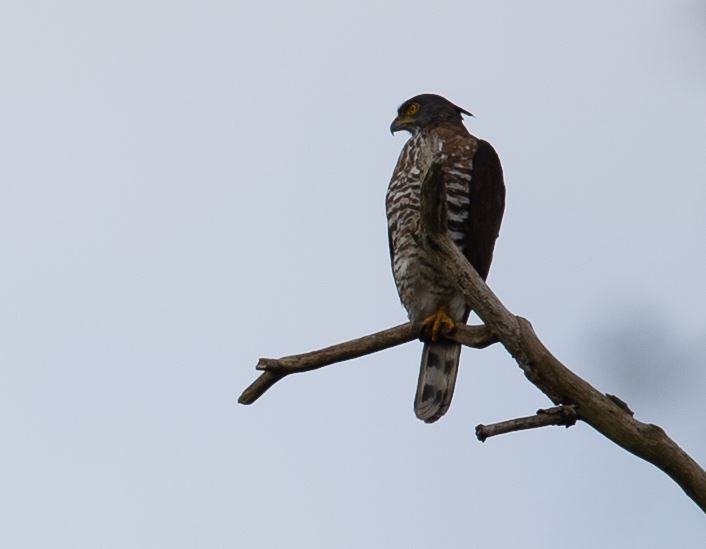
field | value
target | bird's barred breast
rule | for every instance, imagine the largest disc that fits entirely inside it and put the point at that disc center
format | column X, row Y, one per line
column 421, row 288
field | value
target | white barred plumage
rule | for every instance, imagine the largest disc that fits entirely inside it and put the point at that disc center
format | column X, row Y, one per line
column 475, row 197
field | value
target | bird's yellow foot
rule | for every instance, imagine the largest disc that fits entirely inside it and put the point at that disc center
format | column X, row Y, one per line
column 440, row 321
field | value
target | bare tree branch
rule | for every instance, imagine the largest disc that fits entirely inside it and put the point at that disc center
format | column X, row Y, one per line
column 608, row 414
column 562, row 386
column 275, row 369
column 558, row 415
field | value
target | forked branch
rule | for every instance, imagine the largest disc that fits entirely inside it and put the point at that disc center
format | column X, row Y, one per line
column 575, row 398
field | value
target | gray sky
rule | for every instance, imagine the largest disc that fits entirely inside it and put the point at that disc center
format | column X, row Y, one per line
column 187, row 186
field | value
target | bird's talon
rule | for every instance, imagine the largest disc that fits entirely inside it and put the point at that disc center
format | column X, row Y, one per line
column 439, row 322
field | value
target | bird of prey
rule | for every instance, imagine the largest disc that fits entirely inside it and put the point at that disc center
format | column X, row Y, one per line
column 475, row 198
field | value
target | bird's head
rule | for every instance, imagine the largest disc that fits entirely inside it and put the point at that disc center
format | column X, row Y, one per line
column 424, row 111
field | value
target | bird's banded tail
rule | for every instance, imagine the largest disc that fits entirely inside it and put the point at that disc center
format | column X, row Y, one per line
column 437, row 378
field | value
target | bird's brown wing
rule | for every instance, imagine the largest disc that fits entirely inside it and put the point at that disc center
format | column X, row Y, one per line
column 486, row 208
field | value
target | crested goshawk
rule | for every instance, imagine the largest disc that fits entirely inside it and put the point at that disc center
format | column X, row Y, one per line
column 475, row 198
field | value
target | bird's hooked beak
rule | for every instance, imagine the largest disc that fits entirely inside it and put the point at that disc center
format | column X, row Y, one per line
column 401, row 123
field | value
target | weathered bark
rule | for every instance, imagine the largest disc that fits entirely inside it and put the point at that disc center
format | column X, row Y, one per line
column 608, row 415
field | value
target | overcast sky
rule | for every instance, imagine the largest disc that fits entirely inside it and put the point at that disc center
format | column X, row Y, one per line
column 188, row 186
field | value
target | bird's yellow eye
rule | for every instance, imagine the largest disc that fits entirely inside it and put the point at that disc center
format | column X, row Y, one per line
column 412, row 109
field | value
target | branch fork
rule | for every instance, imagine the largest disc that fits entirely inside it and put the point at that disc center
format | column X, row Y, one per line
column 574, row 398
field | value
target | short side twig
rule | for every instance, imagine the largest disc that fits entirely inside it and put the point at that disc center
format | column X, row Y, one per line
column 558, row 415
